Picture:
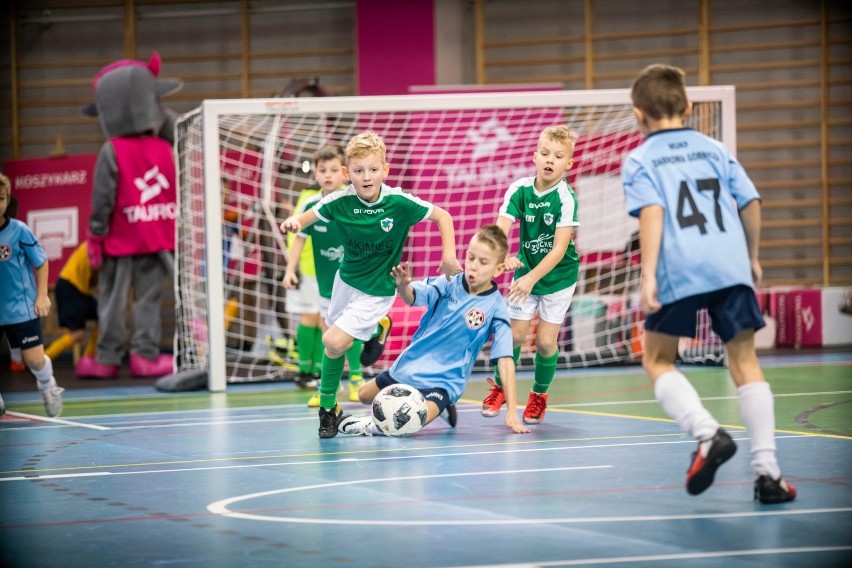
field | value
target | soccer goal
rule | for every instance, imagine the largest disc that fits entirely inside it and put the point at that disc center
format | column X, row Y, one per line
column 243, row 163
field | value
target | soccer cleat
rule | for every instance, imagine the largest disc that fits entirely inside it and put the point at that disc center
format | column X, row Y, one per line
column 305, row 381
column 17, row 366
column 769, row 491
column 281, row 351
column 706, row 460
column 375, row 346
column 536, row 407
column 356, row 425
column 494, row 401
column 52, row 397
column 329, row 421
column 314, row 401
column 354, row 386
column 450, row 415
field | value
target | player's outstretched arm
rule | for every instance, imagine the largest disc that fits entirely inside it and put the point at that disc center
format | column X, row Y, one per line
column 296, row 223
column 450, row 264
column 291, row 281
column 650, row 238
column 506, row 366
column 402, row 274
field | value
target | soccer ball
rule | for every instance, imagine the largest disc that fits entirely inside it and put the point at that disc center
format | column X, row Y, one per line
column 399, row 410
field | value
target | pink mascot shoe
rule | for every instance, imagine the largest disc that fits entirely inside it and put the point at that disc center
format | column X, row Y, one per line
column 142, row 367
column 88, row 367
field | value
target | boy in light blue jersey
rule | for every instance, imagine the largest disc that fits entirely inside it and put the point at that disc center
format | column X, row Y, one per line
column 375, row 220
column 468, row 309
column 699, row 230
column 24, row 300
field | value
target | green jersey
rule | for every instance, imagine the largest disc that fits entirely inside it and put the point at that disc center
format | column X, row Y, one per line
column 327, row 246
column 539, row 215
column 373, row 234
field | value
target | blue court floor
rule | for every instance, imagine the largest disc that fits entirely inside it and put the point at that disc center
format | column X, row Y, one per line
column 132, row 477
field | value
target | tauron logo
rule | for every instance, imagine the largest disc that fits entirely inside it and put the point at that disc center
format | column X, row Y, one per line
column 151, row 184
column 488, row 137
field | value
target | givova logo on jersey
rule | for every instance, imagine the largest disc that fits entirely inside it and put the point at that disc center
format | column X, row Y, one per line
column 475, row 318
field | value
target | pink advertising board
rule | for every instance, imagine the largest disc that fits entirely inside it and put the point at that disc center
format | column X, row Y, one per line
column 55, row 200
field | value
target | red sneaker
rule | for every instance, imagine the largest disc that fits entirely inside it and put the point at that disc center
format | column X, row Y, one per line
column 536, row 407
column 17, row 366
column 492, row 403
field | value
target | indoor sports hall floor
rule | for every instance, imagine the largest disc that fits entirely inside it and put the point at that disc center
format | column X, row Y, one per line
column 133, row 477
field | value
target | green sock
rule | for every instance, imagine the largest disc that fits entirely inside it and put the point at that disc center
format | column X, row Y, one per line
column 545, row 368
column 305, row 341
column 516, row 354
column 332, row 370
column 316, row 356
column 353, row 357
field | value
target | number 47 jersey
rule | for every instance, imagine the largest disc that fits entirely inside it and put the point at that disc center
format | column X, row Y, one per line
column 701, row 188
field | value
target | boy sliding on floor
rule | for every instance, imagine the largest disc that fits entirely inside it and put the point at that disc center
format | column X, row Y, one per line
column 468, row 309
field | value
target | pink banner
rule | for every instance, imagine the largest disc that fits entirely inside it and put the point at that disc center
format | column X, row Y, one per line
column 799, row 318
column 55, row 200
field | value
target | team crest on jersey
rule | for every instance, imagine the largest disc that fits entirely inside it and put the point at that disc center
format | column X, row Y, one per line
column 5, row 252
column 548, row 219
column 386, row 224
column 475, row 318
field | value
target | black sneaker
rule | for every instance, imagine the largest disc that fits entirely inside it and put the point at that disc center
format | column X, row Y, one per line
column 329, row 421
column 375, row 346
column 306, row 381
column 769, row 491
column 706, row 460
column 450, row 415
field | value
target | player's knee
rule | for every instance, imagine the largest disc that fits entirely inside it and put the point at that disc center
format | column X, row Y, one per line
column 34, row 358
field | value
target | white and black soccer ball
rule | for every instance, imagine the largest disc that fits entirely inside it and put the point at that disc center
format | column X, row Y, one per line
column 399, row 410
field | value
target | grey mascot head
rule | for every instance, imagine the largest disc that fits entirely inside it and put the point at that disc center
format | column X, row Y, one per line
column 127, row 99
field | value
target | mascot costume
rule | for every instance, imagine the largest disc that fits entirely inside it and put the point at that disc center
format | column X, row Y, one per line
column 131, row 235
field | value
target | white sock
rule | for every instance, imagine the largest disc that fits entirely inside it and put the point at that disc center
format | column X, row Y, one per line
column 680, row 401
column 757, row 408
column 45, row 374
column 16, row 355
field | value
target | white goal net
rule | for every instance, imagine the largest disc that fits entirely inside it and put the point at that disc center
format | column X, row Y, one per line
column 243, row 163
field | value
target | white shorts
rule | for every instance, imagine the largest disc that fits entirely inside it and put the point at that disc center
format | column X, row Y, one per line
column 551, row 308
column 305, row 298
column 355, row 312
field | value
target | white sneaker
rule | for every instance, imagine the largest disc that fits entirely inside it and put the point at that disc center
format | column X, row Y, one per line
column 356, row 425
column 2, row 406
column 52, row 397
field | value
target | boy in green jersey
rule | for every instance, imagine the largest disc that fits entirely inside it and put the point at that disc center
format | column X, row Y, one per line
column 374, row 220
column 326, row 242
column 546, row 266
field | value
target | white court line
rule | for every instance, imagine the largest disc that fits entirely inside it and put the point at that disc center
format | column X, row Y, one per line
column 655, row 401
column 346, row 460
column 57, row 421
column 664, row 557
column 221, row 507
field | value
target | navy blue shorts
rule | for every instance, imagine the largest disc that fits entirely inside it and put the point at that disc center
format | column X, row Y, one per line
column 439, row 396
column 731, row 310
column 74, row 307
column 25, row 335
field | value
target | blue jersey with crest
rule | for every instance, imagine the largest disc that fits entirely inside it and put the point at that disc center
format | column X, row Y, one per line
column 452, row 331
column 701, row 188
column 20, row 252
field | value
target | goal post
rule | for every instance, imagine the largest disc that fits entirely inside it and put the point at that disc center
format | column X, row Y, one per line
column 242, row 164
